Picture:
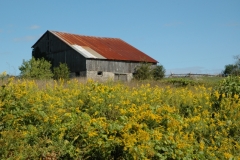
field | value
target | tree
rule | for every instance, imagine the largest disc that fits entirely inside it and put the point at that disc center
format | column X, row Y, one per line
column 236, row 70
column 143, row 71
column 233, row 69
column 159, row 72
column 229, row 69
column 61, row 72
column 36, row 69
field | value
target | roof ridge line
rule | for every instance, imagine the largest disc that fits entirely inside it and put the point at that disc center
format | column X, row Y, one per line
column 83, row 35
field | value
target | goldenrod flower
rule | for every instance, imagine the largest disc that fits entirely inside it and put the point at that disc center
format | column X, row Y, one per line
column 227, row 155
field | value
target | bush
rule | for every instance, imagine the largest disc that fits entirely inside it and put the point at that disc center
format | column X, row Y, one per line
column 61, row 72
column 143, row 72
column 159, row 72
column 36, row 68
column 146, row 71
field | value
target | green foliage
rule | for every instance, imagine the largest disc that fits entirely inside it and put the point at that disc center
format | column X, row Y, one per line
column 231, row 69
column 36, row 69
column 158, row 72
column 181, row 81
column 210, row 81
column 143, row 72
column 61, row 72
column 147, row 71
column 228, row 87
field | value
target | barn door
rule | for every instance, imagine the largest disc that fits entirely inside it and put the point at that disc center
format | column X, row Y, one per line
column 120, row 77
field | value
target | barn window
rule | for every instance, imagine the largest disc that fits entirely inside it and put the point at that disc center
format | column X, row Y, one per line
column 77, row 74
column 99, row 73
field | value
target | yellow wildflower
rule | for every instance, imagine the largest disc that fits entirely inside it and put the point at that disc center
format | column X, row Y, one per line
column 201, row 145
column 227, row 155
column 92, row 134
column 217, row 95
column 236, row 96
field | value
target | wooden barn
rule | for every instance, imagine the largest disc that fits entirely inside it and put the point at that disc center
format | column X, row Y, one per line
column 91, row 57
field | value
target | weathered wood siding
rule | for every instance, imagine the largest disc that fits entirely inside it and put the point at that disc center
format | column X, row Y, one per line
column 111, row 66
column 58, row 51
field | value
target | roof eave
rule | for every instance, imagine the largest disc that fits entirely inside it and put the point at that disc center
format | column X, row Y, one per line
column 154, row 62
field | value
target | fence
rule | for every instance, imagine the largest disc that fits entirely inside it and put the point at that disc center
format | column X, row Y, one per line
column 193, row 75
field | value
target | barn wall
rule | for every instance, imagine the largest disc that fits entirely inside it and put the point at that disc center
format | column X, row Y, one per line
column 58, row 51
column 105, row 76
column 115, row 70
column 111, row 66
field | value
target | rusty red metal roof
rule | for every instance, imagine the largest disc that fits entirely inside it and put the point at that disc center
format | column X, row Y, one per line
column 109, row 48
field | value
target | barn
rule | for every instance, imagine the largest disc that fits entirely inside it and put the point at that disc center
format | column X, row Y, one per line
column 92, row 57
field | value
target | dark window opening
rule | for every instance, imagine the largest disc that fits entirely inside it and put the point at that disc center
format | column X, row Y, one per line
column 77, row 74
column 99, row 73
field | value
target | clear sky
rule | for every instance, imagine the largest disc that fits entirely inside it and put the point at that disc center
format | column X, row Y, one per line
column 197, row 36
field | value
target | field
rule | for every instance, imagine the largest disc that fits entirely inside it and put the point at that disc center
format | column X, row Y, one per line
column 168, row 119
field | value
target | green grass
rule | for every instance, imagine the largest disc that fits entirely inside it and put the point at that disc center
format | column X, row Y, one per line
column 184, row 81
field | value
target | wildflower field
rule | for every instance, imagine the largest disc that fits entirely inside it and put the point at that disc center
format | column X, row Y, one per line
column 93, row 120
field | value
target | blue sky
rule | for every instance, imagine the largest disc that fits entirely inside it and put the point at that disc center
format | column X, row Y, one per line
column 197, row 36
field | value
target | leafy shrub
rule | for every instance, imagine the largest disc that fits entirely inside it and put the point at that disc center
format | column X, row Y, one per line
column 147, row 71
column 229, row 86
column 36, row 69
column 158, row 72
column 61, row 72
column 143, row 71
